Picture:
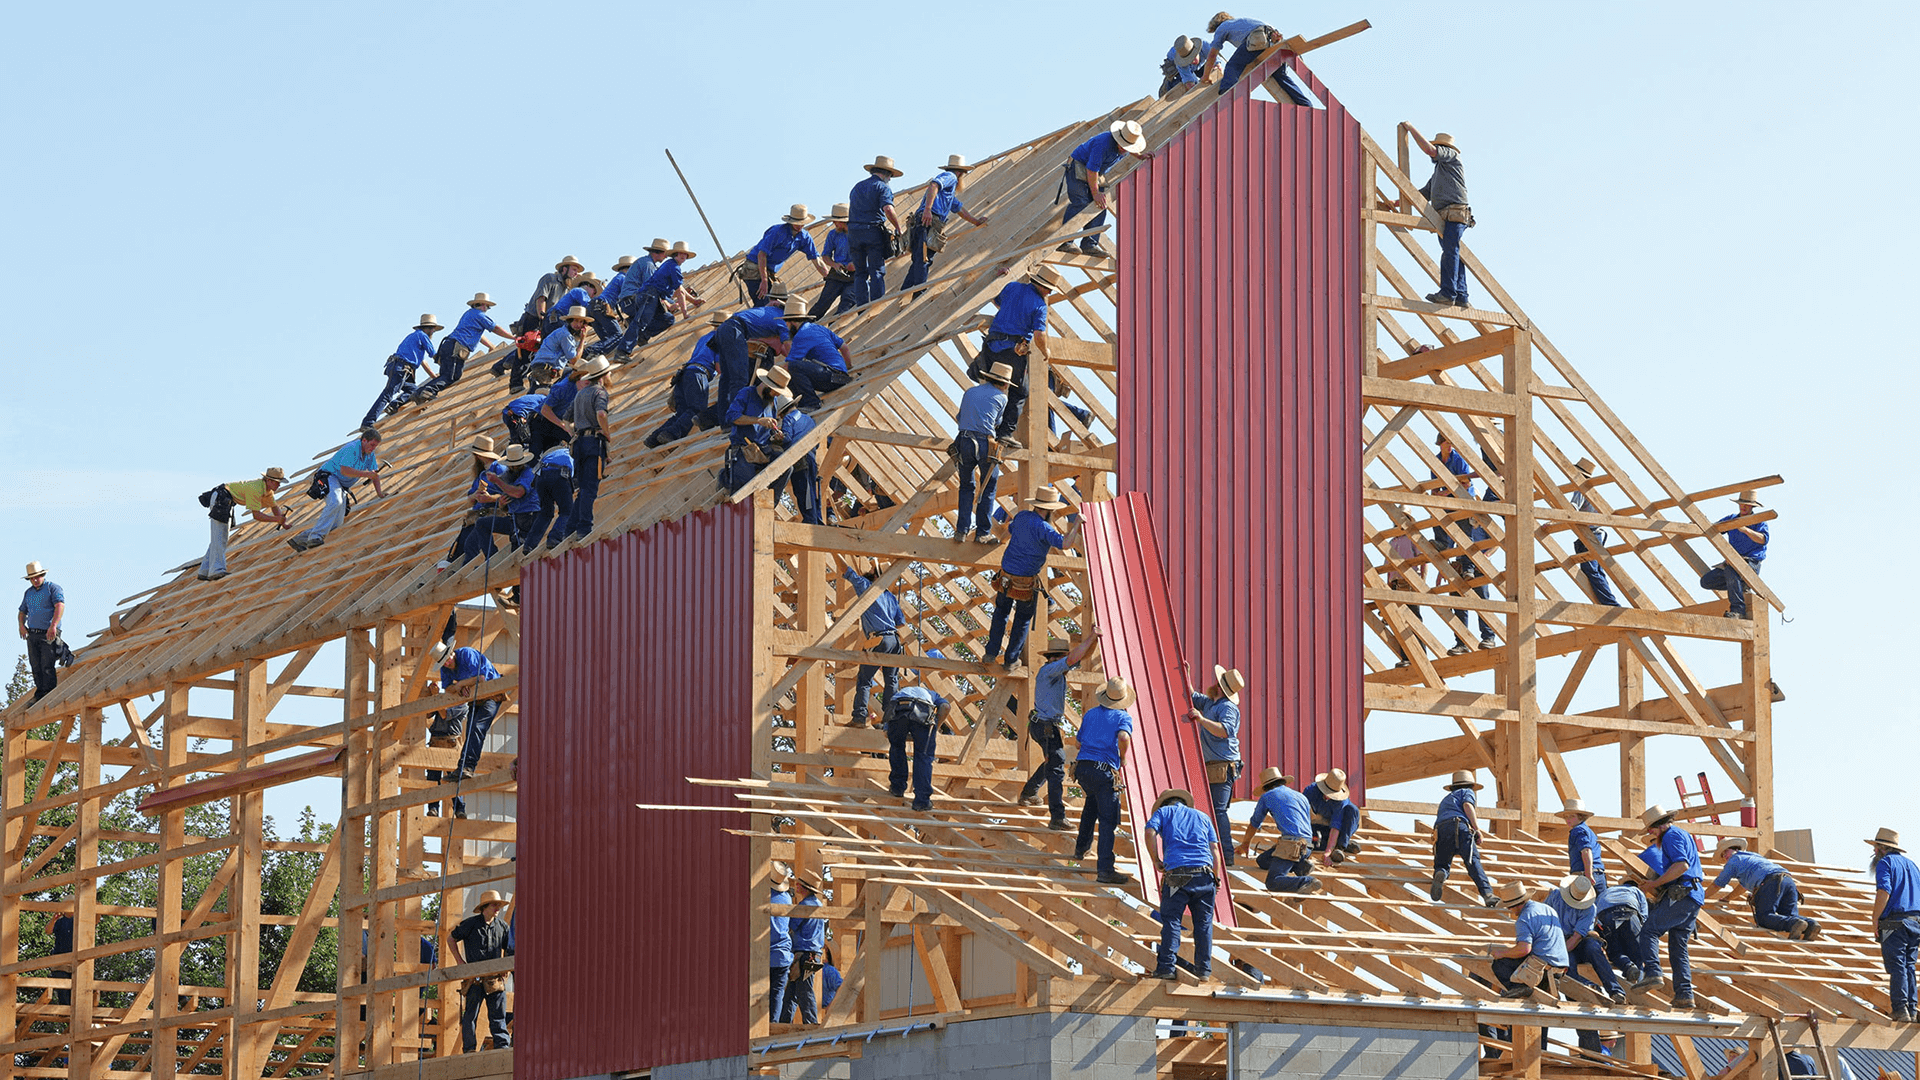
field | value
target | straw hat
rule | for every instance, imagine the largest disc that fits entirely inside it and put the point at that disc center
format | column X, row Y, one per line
column 778, row 379
column 1046, row 497
column 482, row 446
column 587, row 281
column 1047, row 278
column 568, row 260
column 782, row 874
column 1655, row 815
column 1214, row 23
column 576, row 312
column 516, row 455
column 798, row 215
column 1001, row 373
column 1171, row 795
column 794, row 308
column 1116, row 694
column 680, row 248
column 1509, row 894
column 1272, row 775
column 1586, row 466
column 481, row 300
column 1187, row 50
column 1730, row 845
column 1886, row 838
column 883, row 164
column 659, row 244
column 1577, row 806
column 35, row 570
column 717, row 318
column 1332, row 783
column 805, row 881
column 957, row 163
column 840, row 212
column 1463, row 778
column 275, row 473
column 1130, row 135
column 1230, row 680
column 1057, row 646
column 623, row 262
column 1444, row 139
column 1747, row 498
column 591, row 369
column 491, row 896
column 428, row 322
column 1577, row 890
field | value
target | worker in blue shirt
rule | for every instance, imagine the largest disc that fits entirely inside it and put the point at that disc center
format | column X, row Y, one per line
column 1184, row 860
column 981, row 408
column 830, row 980
column 1679, row 894
column 606, row 329
column 1086, row 178
column 62, row 930
column 1619, row 915
column 836, row 250
column 1750, row 543
column 1540, row 946
column 462, row 673
column 626, row 299
column 881, row 624
column 490, row 496
column 1018, row 327
column 561, row 347
column 780, row 943
column 518, row 416
column 553, row 483
column 43, row 609
column 913, row 723
column 755, row 325
column 1106, row 733
column 1047, row 726
column 533, row 318
column 1184, row 65
column 1456, row 832
column 1217, row 714
column 580, row 294
column 1768, row 887
column 804, row 478
column 1335, row 817
column 551, row 424
column 809, row 938
column 412, row 352
column 663, row 296
column 778, row 244
column 460, row 343
column 521, row 474
column 927, row 225
column 871, row 226
column 1249, row 38
column 1590, row 538
column 1288, row 861
column 818, row 359
column 1583, row 848
column 688, row 391
column 1463, row 565
column 1896, row 919
column 1029, row 537
column 349, row 465
column 1573, row 902
column 752, row 422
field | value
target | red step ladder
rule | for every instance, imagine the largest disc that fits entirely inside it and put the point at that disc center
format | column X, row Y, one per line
column 1705, row 794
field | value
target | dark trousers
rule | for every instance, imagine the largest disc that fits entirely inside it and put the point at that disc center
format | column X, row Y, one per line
column 906, row 740
column 1723, row 577
column 1592, row 953
column 1079, row 197
column 479, row 721
column 647, row 318
column 589, row 462
column 776, row 990
column 1237, row 63
column 1101, row 808
column 1505, row 966
column 1016, row 391
column 804, row 481
column 888, row 643
column 496, row 1018
column 1674, row 920
column 799, row 992
column 519, row 430
column 811, row 378
column 399, row 374
column 606, row 332
column 922, row 265
column 1456, row 839
column 1284, row 875
column 831, row 290
column 1052, row 769
column 979, row 483
column 1222, row 796
column 40, row 658
column 690, row 407
column 479, row 535
column 1776, row 903
column 1899, row 945
column 1596, row 577
column 1453, row 272
column 868, row 245
column 555, row 516
column 1620, row 926
column 452, row 358
column 729, row 343
column 1022, row 615
column 1346, row 824
column 1463, row 566
column 546, row 435
column 1197, row 897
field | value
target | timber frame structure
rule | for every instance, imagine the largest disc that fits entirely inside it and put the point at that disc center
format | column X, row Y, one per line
column 976, row 903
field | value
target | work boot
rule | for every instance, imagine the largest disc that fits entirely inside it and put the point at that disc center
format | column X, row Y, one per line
column 1439, row 882
column 1079, row 854
column 1167, row 976
column 1630, row 973
column 1618, row 997
column 1460, row 647
column 1487, row 900
column 1059, row 824
column 1092, row 245
column 1068, row 248
column 1809, row 930
column 1735, row 613
column 1517, row 993
column 1684, row 1001
column 1029, row 798
column 1114, row 878
column 297, row 544
column 1403, row 663
column 923, row 804
column 1439, row 298
column 1646, row 981
column 1312, row 886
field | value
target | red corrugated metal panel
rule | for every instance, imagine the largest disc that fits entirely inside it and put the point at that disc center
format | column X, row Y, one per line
column 636, row 674
column 1239, row 360
column 1140, row 643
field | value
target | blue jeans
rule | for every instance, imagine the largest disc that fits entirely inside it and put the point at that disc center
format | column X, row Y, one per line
column 1052, row 770
column 1592, row 953
column 811, row 378
column 888, row 643
column 1022, row 612
column 215, row 560
column 800, row 993
column 606, row 332
column 1723, row 577
column 690, row 408
column 589, row 462
column 1776, row 903
column 1079, row 197
column 1284, row 875
column 908, row 739
column 1463, row 566
column 496, row 1018
column 1898, row 947
column 1453, row 273
column 555, row 516
column 1222, row 796
column 868, row 245
column 922, row 258
column 1674, row 919
column 1596, row 577
column 479, row 721
column 1197, row 897
column 452, row 358
column 1620, row 926
column 977, row 471
column 831, row 290
column 1237, row 64
column 1101, row 808
column 1456, row 839
column 399, row 374
column 331, row 514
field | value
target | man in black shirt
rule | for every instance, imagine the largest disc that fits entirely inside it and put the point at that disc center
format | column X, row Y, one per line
column 483, row 936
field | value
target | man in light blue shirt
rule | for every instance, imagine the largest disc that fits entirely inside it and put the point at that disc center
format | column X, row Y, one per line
column 1047, row 726
column 980, row 410
column 836, row 250
column 1680, row 894
column 880, row 623
column 1250, row 39
column 1770, row 889
column 780, row 943
column 1184, row 858
column 809, row 940
column 1288, row 863
column 1184, row 65
column 1750, row 543
column 1217, row 712
column 913, row 725
column 1106, row 733
column 350, row 464
column 1583, row 848
column 43, row 609
column 1537, row 937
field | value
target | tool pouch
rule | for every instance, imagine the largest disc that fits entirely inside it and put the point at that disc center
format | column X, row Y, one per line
column 913, row 711
column 936, row 238
column 492, row 984
column 1677, row 892
column 1261, row 39
column 1458, row 213
column 1222, row 772
column 317, row 489
column 1017, row 587
column 1290, row 848
column 1173, row 879
column 1530, row 972
column 752, row 452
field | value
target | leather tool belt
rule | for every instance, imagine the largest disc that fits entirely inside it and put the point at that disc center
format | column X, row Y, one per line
column 1017, row 587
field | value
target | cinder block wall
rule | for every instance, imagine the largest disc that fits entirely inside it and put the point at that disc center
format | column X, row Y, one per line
column 1305, row 1051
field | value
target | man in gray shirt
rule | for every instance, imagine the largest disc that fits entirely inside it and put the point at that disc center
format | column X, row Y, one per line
column 1446, row 192
column 589, row 439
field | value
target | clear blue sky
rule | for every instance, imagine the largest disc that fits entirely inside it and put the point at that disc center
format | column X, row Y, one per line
column 223, row 217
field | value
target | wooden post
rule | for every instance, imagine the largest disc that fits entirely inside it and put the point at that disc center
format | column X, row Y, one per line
column 1756, row 678
column 86, row 896
column 354, row 791
column 173, row 833
column 1522, row 641
column 1633, row 748
column 243, row 897
column 14, row 824
column 760, row 928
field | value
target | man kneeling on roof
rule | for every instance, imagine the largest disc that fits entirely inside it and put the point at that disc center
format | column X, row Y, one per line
column 1767, row 886
column 1540, row 946
column 1184, row 858
column 1335, row 818
column 1288, row 862
column 1574, row 903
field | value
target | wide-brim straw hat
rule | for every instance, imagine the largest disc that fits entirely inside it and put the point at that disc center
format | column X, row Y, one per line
column 1272, row 775
column 576, row 312
column 588, row 281
column 884, row 164
column 1001, row 373
column 1730, row 845
column 35, row 570
column 957, row 163
column 1188, row 49
column 804, row 880
column 1129, row 135
column 1046, row 497
column 428, row 322
column 591, row 369
column 568, row 260
column 1747, row 498
column 275, row 473
column 1229, row 680
column 1577, row 806
column 1047, row 278
column 1509, row 894
column 481, row 299
column 1464, row 778
column 1886, row 838
column 779, row 379
column 798, row 215
column 718, row 318
column 782, row 874
column 1332, row 783
column 623, row 262
column 794, row 308
column 491, row 896
column 516, row 455
column 1116, row 694
column 659, row 244
column 1654, row 815
column 482, row 446
column 1444, row 139
column 1170, row 795
column 1578, row 891
column 1057, row 646
column 680, row 248
column 1586, row 466
column 840, row 212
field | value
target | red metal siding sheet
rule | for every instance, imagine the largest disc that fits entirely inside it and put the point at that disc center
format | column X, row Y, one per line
column 1140, row 643
column 1239, row 361
column 636, row 674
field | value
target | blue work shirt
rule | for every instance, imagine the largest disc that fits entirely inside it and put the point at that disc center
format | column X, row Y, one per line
column 1232, row 32
column 575, row 297
column 1539, row 927
column 703, row 354
column 1655, row 860
column 1453, row 806
column 415, row 347
column 1188, row 73
column 1573, row 920
column 524, row 406
column 1100, row 729
column 884, row 614
column 560, row 397
column 528, row 500
column 62, row 930
column 1622, row 896
column 780, row 243
column 1289, row 810
column 748, row 402
column 830, row 980
column 663, row 282
column 1050, row 689
column 1099, row 153
column 1322, row 805
column 1676, row 845
column 611, row 291
column 465, row 663
column 794, row 424
column 819, row 344
column 941, row 199
column 866, row 199
column 1457, row 465
column 921, row 693
column 780, row 946
column 1748, row 869
column 638, row 275
column 1580, row 838
column 1186, row 835
column 763, row 322
column 981, row 408
column 1748, row 550
column 558, row 349
column 1895, row 875
column 471, row 325
column 1028, row 538
column 560, row 457
column 351, row 456
column 38, row 602
column 480, row 483
column 1022, row 314
column 809, row 935
column 837, row 248
column 1226, row 714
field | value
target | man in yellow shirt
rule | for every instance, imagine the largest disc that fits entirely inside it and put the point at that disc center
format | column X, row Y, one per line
column 257, row 497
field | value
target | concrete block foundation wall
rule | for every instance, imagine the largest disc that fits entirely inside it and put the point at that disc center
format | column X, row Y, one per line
column 1305, row 1051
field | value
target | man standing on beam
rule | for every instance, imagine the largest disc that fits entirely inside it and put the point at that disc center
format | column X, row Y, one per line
column 1678, row 896
column 1217, row 713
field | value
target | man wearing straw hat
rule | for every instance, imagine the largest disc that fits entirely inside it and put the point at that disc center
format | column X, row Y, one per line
column 1106, row 733
column 1750, row 543
column 913, row 719
column 836, row 250
column 462, row 671
column 42, row 610
column 1086, row 174
column 1590, row 538
column 626, row 299
column 1583, row 848
column 1250, row 39
column 1184, row 65
column 1217, row 713
column 819, row 360
column 778, row 244
column 1335, row 818
column 412, row 352
column 1619, row 914
column 1573, row 902
column 1768, row 887
column 1540, row 946
column 1018, row 327
column 356, row 461
column 871, row 226
column 732, row 344
column 927, row 230
column 1463, row 565
column 780, row 944
column 546, row 294
column 804, row 478
column 880, row 624
column 981, row 408
column 606, row 330
column 1030, row 535
column 1678, row 894
column 1896, row 918
column 591, row 446
column 1047, row 725
column 561, row 347
column 809, row 937
column 1184, row 859
column 256, row 497
column 1446, row 192
column 459, row 344
column 1288, row 864
column 480, row 937
column 688, row 390
column 1456, row 832
column 580, row 293
column 752, row 420
column 664, row 296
